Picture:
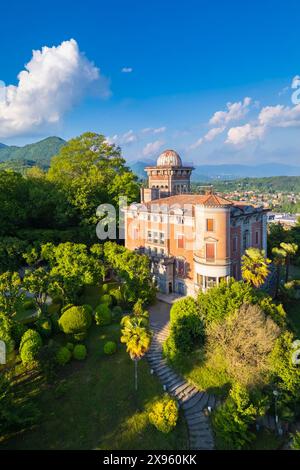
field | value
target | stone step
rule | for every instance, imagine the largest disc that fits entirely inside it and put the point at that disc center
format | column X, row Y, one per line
column 172, row 382
column 166, row 375
column 177, row 390
column 211, row 401
column 193, row 401
column 187, row 392
column 160, row 363
column 197, row 419
column 160, row 368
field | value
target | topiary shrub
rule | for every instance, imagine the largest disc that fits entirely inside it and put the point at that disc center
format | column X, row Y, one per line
column 103, row 315
column 104, row 288
column 66, row 307
column 30, row 346
column 63, row 356
column 89, row 309
column 117, row 296
column 117, row 313
column 76, row 321
column 44, row 326
column 106, row 299
column 187, row 328
column 110, row 347
column 29, row 304
column 164, row 414
column 79, row 352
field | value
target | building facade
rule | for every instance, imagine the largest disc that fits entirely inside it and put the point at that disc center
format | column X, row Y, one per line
column 193, row 240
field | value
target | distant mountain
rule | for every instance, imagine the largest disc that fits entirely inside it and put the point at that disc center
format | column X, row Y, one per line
column 228, row 171
column 39, row 153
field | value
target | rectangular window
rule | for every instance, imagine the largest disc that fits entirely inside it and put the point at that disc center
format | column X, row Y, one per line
column 210, row 252
column 155, row 237
column 209, row 225
column 180, row 268
column 211, row 281
column 162, row 238
column 199, row 280
column 234, row 244
column 149, row 236
column 180, row 241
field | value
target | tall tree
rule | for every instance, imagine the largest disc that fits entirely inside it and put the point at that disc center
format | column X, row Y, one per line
column 290, row 250
column 255, row 266
column 90, row 171
column 38, row 283
column 10, row 292
column 137, row 339
column 279, row 256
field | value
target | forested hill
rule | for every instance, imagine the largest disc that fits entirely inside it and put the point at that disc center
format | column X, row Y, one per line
column 265, row 185
column 39, row 153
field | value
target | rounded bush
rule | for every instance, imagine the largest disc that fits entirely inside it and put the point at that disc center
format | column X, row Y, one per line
column 89, row 309
column 29, row 304
column 63, row 356
column 79, row 352
column 164, row 414
column 106, row 299
column 66, row 307
column 30, row 346
column 103, row 315
column 110, row 347
column 105, row 288
column 75, row 321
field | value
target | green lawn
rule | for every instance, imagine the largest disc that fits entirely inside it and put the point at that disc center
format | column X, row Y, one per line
column 98, row 409
column 206, row 373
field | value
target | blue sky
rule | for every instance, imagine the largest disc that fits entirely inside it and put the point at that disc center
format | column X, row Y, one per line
column 182, row 62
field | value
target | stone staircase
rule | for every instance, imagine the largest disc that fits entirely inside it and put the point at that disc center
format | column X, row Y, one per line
column 189, row 398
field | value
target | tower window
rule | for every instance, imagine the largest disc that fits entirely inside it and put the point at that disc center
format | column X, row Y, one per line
column 180, row 241
column 209, row 225
column 210, row 251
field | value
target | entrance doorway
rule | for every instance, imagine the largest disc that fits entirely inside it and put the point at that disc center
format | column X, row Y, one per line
column 170, row 287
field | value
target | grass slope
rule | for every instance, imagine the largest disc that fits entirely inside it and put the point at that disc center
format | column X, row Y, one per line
column 98, row 409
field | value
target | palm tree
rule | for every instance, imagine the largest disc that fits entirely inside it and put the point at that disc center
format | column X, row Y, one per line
column 279, row 259
column 255, row 266
column 137, row 339
column 290, row 250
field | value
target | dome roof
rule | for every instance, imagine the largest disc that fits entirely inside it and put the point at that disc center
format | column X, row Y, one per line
column 169, row 158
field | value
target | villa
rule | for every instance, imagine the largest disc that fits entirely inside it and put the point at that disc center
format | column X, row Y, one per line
column 193, row 240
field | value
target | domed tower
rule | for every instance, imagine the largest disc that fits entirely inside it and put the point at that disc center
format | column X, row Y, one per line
column 167, row 178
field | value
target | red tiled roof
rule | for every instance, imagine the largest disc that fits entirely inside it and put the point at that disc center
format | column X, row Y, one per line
column 194, row 199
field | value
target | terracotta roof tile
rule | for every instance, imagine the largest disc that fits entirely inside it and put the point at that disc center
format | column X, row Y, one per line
column 194, row 199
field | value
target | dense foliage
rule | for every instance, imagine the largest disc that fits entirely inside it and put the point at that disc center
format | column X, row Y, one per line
column 164, row 414
column 186, row 328
column 76, row 321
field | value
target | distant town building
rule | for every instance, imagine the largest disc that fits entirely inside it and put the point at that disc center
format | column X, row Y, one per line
column 288, row 220
column 193, row 240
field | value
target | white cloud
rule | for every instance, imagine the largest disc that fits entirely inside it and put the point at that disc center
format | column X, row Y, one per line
column 280, row 116
column 127, row 138
column 234, row 112
column 152, row 130
column 152, row 147
column 296, row 82
column 244, row 134
column 127, row 70
column 209, row 137
column 53, row 81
